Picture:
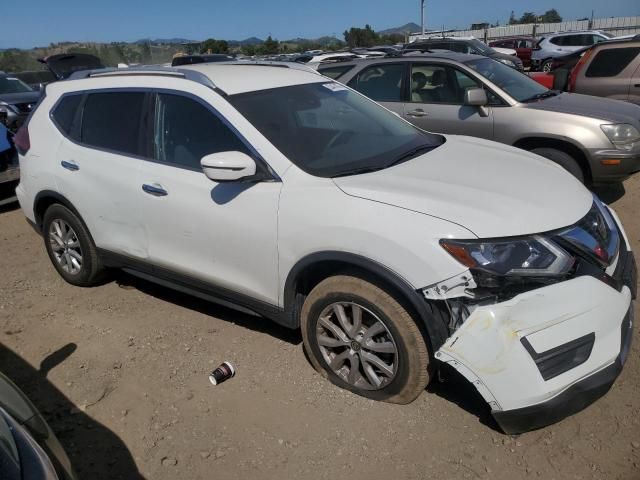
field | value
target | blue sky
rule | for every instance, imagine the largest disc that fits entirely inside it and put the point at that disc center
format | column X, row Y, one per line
column 30, row 23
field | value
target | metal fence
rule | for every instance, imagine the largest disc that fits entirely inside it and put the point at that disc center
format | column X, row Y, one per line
column 615, row 25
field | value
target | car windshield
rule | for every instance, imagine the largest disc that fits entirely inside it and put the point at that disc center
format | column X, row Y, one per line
column 516, row 84
column 481, row 47
column 13, row 85
column 328, row 130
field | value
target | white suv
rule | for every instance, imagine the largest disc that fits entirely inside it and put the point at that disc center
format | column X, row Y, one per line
column 279, row 191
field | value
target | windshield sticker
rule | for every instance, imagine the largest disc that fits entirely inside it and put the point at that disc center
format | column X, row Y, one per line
column 334, row 87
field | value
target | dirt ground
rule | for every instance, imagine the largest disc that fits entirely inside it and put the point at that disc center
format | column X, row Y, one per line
column 121, row 370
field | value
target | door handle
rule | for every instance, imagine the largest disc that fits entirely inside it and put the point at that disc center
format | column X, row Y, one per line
column 155, row 190
column 418, row 112
column 71, row 165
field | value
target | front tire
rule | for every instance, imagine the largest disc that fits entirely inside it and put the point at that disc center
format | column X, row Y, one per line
column 546, row 65
column 563, row 159
column 70, row 247
column 361, row 339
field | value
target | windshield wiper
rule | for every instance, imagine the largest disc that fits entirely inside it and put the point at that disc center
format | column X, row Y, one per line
column 540, row 96
column 411, row 154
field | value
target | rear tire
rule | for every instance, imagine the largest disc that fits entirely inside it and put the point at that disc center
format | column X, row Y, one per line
column 379, row 353
column 70, row 247
column 563, row 159
column 546, row 65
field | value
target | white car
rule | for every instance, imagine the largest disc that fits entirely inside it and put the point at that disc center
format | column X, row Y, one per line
column 285, row 194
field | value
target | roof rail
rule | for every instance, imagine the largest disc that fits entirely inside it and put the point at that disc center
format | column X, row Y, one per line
column 268, row 63
column 192, row 75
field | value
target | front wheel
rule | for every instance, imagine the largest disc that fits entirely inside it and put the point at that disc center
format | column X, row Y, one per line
column 546, row 66
column 363, row 340
column 563, row 159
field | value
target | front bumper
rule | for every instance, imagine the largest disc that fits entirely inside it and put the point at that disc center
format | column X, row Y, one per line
column 499, row 347
column 624, row 164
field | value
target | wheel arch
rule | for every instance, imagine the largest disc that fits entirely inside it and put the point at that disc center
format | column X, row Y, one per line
column 45, row 199
column 562, row 144
column 312, row 269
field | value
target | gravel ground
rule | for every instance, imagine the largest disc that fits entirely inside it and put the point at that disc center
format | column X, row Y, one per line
column 121, row 370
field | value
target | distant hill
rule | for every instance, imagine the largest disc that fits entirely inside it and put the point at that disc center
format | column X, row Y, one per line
column 246, row 41
column 408, row 27
column 163, row 41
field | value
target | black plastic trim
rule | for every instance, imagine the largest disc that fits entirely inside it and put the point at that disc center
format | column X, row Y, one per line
column 574, row 399
column 562, row 358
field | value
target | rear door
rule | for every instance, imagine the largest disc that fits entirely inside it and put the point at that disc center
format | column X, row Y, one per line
column 437, row 105
column 611, row 72
column 523, row 50
column 384, row 83
column 98, row 162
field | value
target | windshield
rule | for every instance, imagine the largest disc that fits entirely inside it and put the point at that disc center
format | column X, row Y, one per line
column 481, row 47
column 516, row 84
column 328, row 130
column 13, row 85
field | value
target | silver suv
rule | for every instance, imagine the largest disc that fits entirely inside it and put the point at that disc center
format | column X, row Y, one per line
column 596, row 139
column 557, row 44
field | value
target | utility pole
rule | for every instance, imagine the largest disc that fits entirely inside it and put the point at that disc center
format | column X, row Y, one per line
column 422, row 15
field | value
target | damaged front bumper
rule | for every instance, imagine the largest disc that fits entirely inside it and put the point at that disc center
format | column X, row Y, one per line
column 547, row 353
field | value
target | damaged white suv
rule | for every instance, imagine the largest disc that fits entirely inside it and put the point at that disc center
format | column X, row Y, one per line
column 278, row 191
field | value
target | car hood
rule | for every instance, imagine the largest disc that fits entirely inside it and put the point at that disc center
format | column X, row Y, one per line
column 505, row 51
column 614, row 111
column 491, row 189
column 16, row 98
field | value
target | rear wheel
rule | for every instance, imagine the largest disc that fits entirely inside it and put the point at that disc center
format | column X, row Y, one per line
column 546, row 65
column 363, row 340
column 70, row 247
column 563, row 159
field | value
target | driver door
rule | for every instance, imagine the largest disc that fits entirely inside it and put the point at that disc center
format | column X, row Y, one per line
column 437, row 105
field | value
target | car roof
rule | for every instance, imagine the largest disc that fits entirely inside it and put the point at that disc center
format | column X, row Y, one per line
column 450, row 56
column 577, row 32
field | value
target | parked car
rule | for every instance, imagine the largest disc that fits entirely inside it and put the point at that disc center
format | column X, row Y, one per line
column 204, row 58
column 17, row 99
column 29, row 450
column 609, row 69
column 557, row 44
column 472, row 95
column 469, row 45
column 523, row 47
column 394, row 250
column 35, row 79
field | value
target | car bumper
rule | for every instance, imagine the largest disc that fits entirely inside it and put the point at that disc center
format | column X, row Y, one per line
column 608, row 166
column 549, row 352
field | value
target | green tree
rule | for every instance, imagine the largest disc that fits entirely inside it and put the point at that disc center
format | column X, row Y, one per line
column 528, row 17
column 551, row 16
column 361, row 37
column 214, row 46
column 145, row 53
column 249, row 50
column 512, row 18
column 270, row 46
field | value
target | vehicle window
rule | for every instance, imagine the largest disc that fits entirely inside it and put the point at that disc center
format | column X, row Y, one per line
column 439, row 46
column 560, row 41
column 335, row 72
column 516, row 84
column 382, row 83
column 610, row 62
column 524, row 44
column 65, row 113
column 460, row 47
column 439, row 84
column 185, row 131
column 113, row 120
column 13, row 85
column 327, row 130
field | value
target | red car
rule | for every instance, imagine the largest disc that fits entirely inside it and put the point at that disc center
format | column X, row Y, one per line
column 522, row 45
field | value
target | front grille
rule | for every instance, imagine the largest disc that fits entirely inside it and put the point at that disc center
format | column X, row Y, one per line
column 24, row 107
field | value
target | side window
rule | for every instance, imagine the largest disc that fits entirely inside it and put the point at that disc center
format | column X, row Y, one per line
column 185, row 131
column 460, row 47
column 611, row 62
column 335, row 72
column 439, row 84
column 65, row 114
column 382, row 83
column 560, row 41
column 113, row 120
column 440, row 46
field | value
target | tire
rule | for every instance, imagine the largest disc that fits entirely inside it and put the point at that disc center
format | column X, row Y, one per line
column 406, row 369
column 563, row 159
column 70, row 247
column 546, row 65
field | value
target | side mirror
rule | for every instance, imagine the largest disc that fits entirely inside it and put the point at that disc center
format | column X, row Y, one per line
column 228, row 166
column 475, row 97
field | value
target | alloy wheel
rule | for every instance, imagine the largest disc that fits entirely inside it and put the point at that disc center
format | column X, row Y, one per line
column 357, row 346
column 65, row 246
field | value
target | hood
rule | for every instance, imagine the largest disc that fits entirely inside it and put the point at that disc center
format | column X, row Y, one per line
column 497, row 55
column 17, row 98
column 489, row 188
column 614, row 111
column 505, row 51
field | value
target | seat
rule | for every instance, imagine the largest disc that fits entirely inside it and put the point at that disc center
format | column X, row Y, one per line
column 442, row 91
column 418, row 81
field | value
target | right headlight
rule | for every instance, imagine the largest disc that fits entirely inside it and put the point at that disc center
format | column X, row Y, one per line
column 622, row 135
column 527, row 256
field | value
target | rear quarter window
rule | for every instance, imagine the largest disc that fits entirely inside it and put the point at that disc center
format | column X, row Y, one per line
column 65, row 114
column 335, row 72
column 611, row 62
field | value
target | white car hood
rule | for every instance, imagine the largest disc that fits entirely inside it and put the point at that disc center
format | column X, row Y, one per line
column 491, row 189
column 506, row 51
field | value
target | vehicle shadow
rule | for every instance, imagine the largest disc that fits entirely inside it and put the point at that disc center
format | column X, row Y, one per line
column 610, row 193
column 245, row 320
column 95, row 451
column 454, row 388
